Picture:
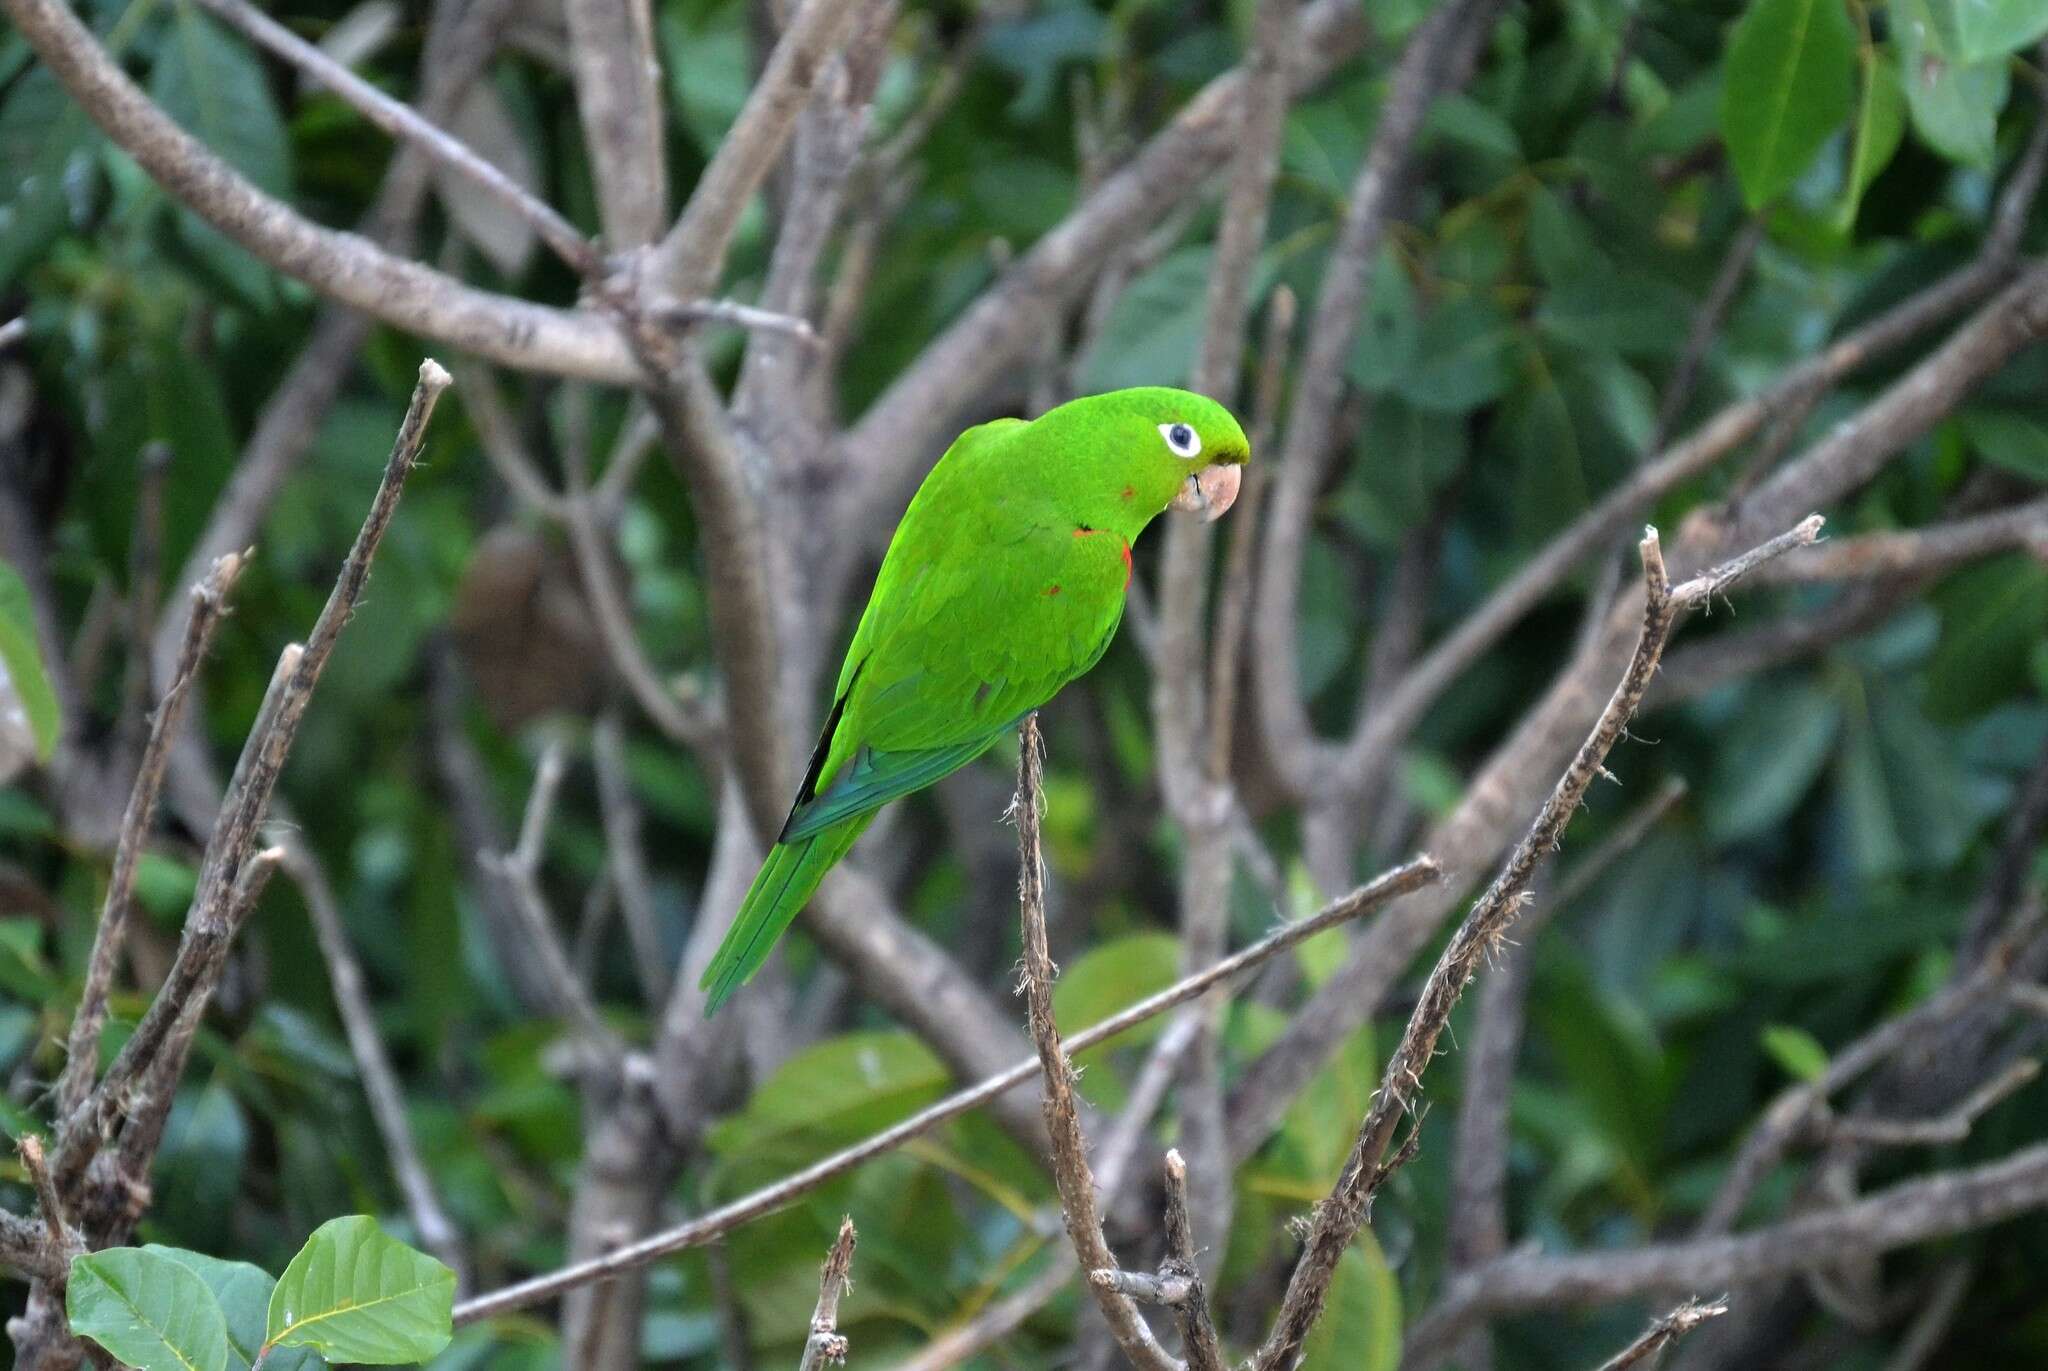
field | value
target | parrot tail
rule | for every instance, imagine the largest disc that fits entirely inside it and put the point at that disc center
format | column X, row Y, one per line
column 786, row 882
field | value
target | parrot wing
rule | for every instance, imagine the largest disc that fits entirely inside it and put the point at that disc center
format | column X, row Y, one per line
column 956, row 647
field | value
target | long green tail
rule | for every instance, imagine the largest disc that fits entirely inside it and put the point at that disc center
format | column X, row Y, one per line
column 789, row 876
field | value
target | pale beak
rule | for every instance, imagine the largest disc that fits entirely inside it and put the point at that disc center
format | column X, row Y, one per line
column 1210, row 491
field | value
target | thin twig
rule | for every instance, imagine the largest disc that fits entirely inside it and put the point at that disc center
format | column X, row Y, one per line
column 1951, row 1127
column 210, row 922
column 1144, row 1285
column 629, row 880
column 1913, row 1211
column 1070, row 1168
column 826, row 1346
column 1663, row 1333
column 402, row 121
column 373, row 1063
column 1339, row 1217
column 209, row 603
column 518, row 871
column 63, row 1241
column 688, row 260
column 1197, row 1330
column 1401, row 880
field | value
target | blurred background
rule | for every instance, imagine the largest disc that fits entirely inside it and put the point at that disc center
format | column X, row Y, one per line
column 1496, row 284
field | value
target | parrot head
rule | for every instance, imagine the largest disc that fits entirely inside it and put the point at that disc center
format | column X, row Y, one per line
column 1146, row 450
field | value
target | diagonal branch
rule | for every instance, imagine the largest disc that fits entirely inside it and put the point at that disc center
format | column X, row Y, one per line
column 403, row 122
column 1663, row 1333
column 1069, row 1149
column 687, row 262
column 209, row 604
column 1339, row 1217
column 211, row 922
column 580, row 343
column 1390, row 885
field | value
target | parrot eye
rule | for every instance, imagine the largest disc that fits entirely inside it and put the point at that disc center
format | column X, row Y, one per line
column 1184, row 441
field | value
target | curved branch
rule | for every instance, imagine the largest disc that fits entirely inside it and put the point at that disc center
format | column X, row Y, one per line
column 579, row 343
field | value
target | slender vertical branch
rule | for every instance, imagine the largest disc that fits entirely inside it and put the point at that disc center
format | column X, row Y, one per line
column 209, row 925
column 1339, row 1217
column 826, row 1345
column 373, row 1063
column 1062, row 1117
column 209, row 603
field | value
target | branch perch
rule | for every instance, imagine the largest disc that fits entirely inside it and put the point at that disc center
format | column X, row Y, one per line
column 1339, row 1217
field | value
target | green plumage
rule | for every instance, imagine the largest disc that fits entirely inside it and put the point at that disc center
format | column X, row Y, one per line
column 1004, row 581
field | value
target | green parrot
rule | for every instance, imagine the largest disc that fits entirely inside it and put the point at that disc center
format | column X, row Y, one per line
column 1004, row 581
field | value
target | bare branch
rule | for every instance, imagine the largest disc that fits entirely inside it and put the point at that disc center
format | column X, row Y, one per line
column 1338, row 1218
column 1664, row 1332
column 1069, row 1149
column 1910, row 1212
column 1436, row 56
column 1197, row 1331
column 1935, row 548
column 580, row 343
column 373, row 1063
column 519, row 873
column 689, row 259
column 630, row 881
column 826, row 1346
column 401, row 121
column 211, row 922
column 687, row 720
column 209, row 603
column 1142, row 1285
column 618, row 91
column 1951, row 1127
column 1401, row 880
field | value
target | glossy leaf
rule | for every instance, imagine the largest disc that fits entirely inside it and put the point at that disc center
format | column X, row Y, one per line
column 1955, row 103
column 1985, row 30
column 153, row 1313
column 1787, row 89
column 1991, row 617
column 1361, row 1326
column 354, row 1294
column 1880, row 126
column 24, row 685
column 1797, row 1051
column 243, row 1293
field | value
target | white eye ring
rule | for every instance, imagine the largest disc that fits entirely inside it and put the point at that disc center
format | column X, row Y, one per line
column 1181, row 439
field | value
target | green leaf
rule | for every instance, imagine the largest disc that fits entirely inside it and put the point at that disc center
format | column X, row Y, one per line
column 1768, row 759
column 151, row 1312
column 1107, row 979
column 1361, row 1326
column 1785, row 91
column 1388, row 333
column 354, row 1294
column 21, row 664
column 830, row 1094
column 1991, row 618
column 1954, row 102
column 1153, row 330
column 243, row 1293
column 2016, row 442
column 1982, row 30
column 212, row 84
column 1902, row 789
column 1461, row 357
column 1880, row 125
column 1631, row 314
column 1796, row 1050
column 47, row 143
